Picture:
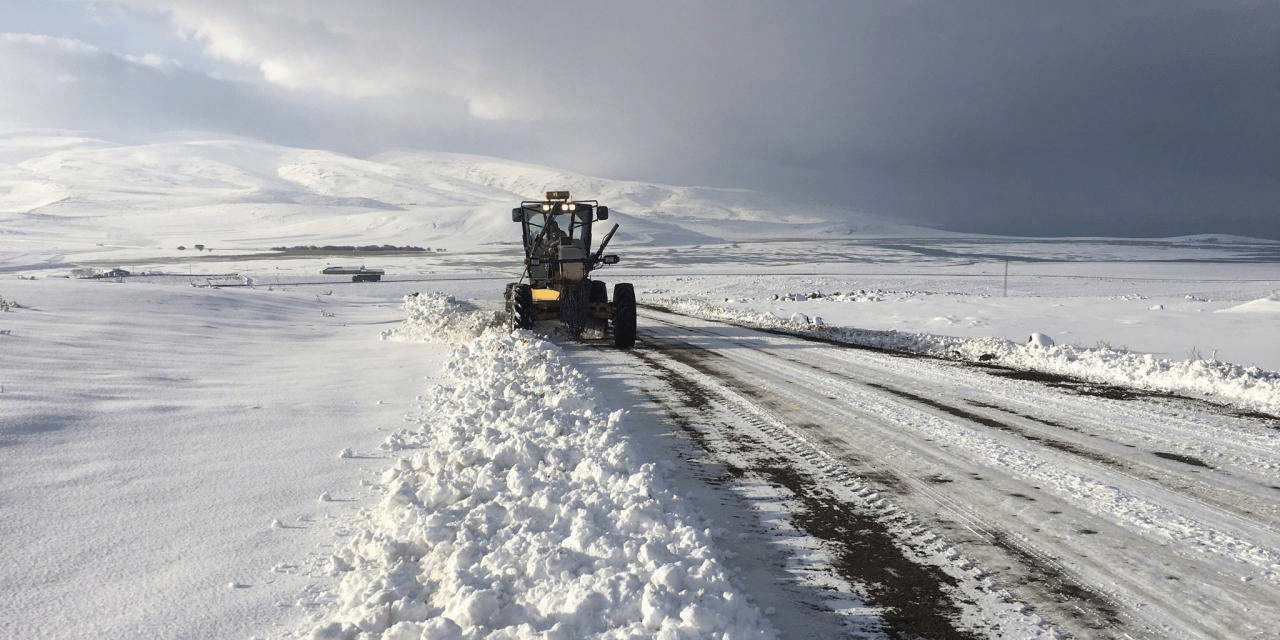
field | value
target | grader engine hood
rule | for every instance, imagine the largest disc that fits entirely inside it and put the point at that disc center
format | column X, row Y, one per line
column 573, row 265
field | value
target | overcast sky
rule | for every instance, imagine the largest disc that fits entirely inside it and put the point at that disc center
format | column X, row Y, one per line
column 1064, row 117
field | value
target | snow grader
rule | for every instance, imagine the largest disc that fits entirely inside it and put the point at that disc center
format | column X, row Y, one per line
column 558, row 262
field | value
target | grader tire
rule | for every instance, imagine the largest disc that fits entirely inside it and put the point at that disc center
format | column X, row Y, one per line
column 599, row 292
column 507, row 297
column 522, row 307
column 624, row 319
column 574, row 311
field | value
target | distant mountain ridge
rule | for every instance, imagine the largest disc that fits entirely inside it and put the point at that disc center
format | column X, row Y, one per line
column 66, row 193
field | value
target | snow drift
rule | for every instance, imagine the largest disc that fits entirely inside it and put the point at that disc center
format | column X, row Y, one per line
column 1269, row 304
column 519, row 509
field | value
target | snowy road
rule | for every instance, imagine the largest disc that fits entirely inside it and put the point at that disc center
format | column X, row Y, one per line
column 954, row 501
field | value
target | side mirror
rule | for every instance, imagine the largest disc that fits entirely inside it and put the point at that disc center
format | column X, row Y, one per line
column 602, row 213
column 610, row 259
column 517, row 215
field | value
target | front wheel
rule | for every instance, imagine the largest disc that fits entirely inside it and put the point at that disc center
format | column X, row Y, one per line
column 574, row 311
column 599, row 292
column 522, row 307
column 624, row 316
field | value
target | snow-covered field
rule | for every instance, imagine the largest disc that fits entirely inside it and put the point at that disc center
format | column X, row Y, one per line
column 310, row 457
column 165, row 450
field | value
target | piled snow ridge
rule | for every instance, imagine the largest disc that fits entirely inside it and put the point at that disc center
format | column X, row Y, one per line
column 436, row 317
column 1247, row 387
column 521, row 510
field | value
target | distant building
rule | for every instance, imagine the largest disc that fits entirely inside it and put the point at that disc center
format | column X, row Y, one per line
column 116, row 273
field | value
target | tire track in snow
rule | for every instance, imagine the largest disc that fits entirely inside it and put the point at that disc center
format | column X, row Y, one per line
column 1208, row 494
column 919, row 584
column 1162, row 520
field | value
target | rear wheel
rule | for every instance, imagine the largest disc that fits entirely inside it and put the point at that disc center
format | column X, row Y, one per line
column 624, row 317
column 522, row 307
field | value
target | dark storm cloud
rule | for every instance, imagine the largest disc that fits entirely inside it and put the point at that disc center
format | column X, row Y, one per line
column 1068, row 118
column 1028, row 117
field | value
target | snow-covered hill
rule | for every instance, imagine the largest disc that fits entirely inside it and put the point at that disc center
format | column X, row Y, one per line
column 65, row 196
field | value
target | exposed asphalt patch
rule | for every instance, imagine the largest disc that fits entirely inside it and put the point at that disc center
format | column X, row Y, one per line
column 1043, row 421
column 1193, row 461
column 1003, row 426
column 915, row 596
column 1101, row 613
column 1078, row 386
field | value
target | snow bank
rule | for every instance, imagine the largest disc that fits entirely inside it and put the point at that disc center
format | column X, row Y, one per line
column 521, row 510
column 436, row 317
column 1247, row 387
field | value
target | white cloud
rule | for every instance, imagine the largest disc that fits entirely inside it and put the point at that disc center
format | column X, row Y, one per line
column 33, row 41
column 155, row 61
column 68, row 84
column 353, row 50
column 665, row 90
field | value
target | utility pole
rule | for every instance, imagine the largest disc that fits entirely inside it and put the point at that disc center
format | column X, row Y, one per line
column 1006, row 277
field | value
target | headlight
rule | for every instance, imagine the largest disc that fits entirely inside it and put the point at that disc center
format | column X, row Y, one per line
column 546, row 207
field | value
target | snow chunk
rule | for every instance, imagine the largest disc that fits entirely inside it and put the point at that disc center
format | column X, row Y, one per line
column 1039, row 340
column 436, row 317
